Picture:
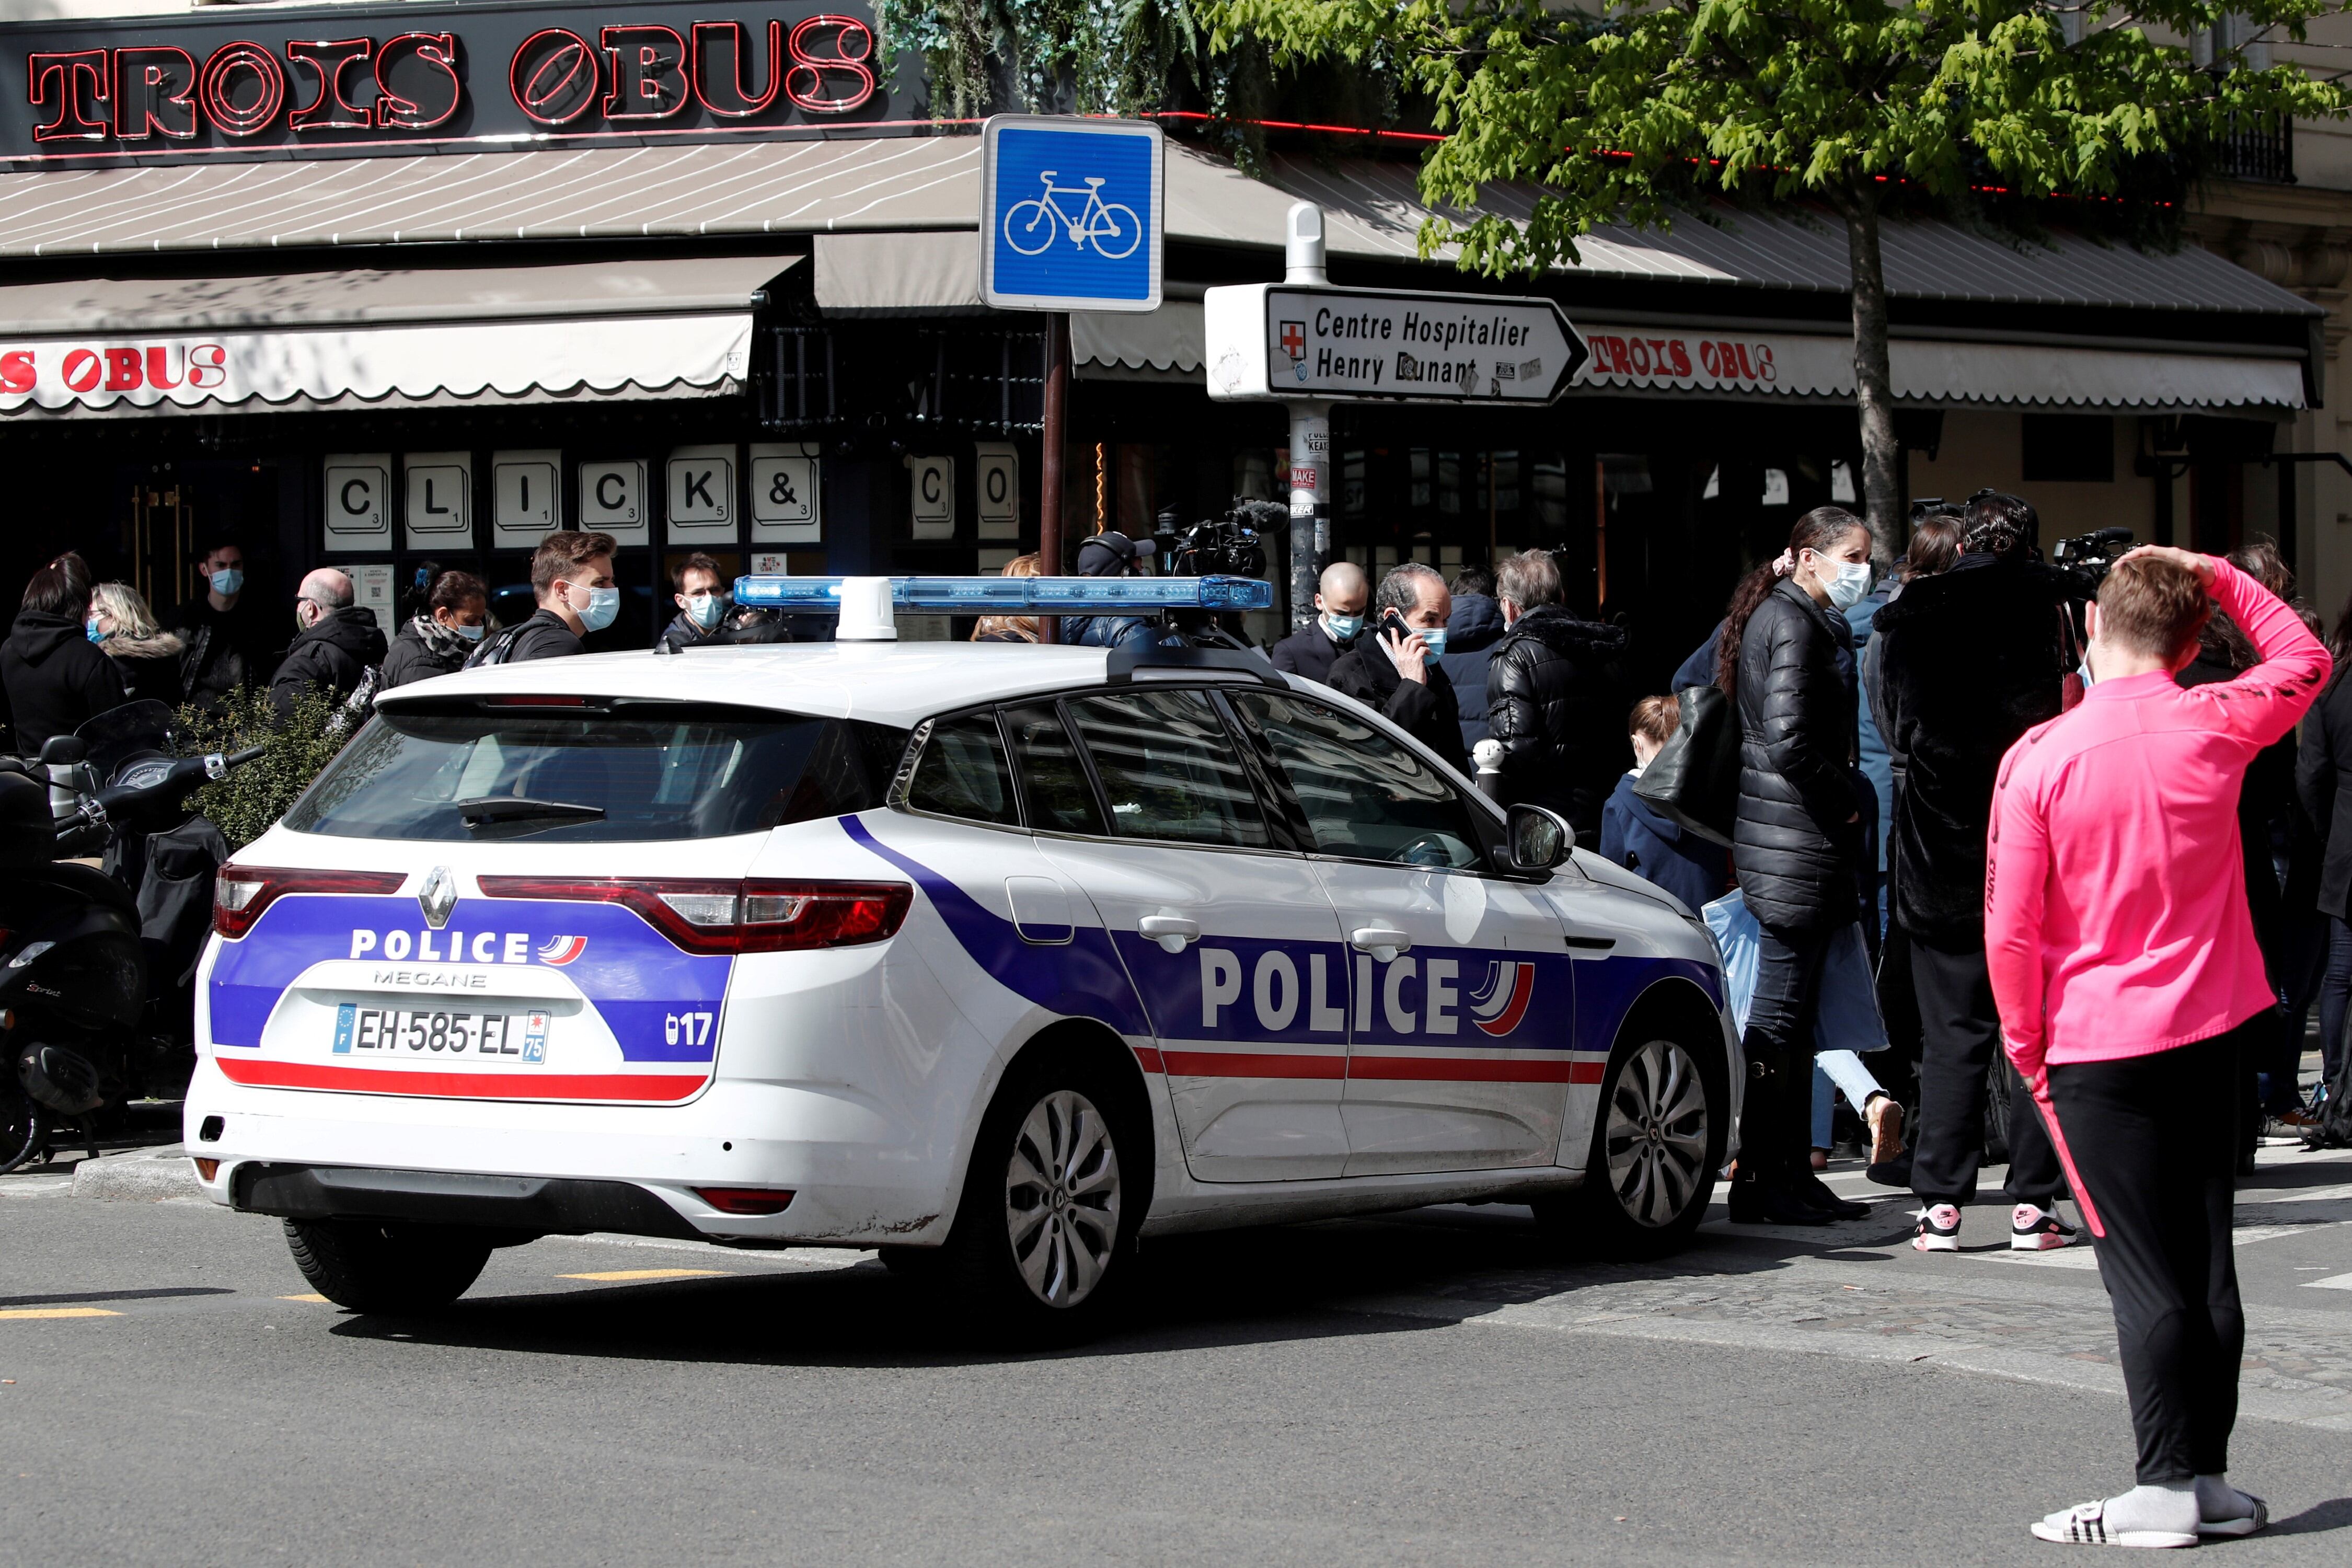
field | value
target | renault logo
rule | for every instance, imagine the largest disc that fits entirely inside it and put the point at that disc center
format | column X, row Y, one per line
column 437, row 897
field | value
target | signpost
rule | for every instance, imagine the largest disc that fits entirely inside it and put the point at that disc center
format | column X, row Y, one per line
column 1308, row 344
column 1072, row 218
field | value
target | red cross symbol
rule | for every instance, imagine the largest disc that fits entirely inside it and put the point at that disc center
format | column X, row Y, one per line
column 1294, row 339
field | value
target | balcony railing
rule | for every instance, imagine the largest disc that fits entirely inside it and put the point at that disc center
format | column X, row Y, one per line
column 2260, row 147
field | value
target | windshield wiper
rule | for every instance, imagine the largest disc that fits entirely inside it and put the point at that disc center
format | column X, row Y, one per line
column 521, row 808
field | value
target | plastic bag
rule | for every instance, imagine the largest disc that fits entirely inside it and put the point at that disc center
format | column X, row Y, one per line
column 1847, row 1018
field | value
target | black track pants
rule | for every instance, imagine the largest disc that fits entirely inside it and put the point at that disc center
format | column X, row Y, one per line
column 2154, row 1143
column 1959, row 1030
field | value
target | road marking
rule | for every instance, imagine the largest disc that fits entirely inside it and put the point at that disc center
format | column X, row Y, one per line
column 57, row 1313
column 2333, row 1282
column 322, row 1300
column 609, row 1275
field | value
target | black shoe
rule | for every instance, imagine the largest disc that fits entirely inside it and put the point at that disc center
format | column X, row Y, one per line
column 1810, row 1189
column 1895, row 1172
column 1753, row 1203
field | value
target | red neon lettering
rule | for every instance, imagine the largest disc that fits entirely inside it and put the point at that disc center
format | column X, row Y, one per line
column 718, row 50
column 853, row 46
column 17, row 371
column 649, row 73
column 81, row 369
column 326, row 61
column 237, row 108
column 155, row 90
column 553, row 76
column 416, row 82
column 76, row 80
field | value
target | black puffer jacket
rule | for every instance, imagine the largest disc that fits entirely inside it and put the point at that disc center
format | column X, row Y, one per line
column 1967, row 662
column 1555, row 699
column 332, row 656
column 1795, row 846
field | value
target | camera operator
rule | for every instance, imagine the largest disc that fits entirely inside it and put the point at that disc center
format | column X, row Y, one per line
column 2126, row 969
column 1394, row 669
column 1966, row 661
column 1114, row 554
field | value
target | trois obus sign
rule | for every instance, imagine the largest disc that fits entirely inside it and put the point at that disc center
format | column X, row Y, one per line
column 226, row 84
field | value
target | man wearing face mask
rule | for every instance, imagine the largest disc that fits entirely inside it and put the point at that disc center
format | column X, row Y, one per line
column 572, row 576
column 1554, row 689
column 701, row 601
column 1395, row 669
column 226, row 637
column 1315, row 647
column 335, row 642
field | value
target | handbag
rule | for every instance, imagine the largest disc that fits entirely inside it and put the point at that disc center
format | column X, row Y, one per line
column 1693, row 781
column 1845, row 1011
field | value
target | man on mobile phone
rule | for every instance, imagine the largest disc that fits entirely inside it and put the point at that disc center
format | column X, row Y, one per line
column 1393, row 667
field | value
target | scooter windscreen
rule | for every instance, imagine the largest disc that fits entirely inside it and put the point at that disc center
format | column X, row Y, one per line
column 120, row 738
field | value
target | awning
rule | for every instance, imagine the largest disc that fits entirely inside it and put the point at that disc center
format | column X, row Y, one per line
column 1934, row 374
column 1163, row 345
column 380, row 337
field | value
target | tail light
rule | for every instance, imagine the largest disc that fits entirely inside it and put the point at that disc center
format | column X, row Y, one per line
column 758, row 915
column 241, row 892
column 745, row 1199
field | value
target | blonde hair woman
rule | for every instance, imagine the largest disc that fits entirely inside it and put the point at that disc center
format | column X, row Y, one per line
column 1011, row 629
column 125, row 630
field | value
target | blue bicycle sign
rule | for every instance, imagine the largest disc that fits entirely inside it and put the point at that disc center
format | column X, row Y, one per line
column 1071, row 217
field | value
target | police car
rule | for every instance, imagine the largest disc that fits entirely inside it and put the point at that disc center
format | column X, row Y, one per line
column 995, row 957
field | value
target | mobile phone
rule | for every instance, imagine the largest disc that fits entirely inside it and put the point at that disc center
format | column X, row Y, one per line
column 1392, row 622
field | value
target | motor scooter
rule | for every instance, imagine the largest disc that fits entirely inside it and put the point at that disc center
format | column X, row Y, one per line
column 79, row 1034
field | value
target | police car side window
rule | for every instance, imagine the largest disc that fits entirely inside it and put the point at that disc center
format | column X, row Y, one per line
column 1365, row 796
column 963, row 772
column 1053, row 779
column 1170, row 769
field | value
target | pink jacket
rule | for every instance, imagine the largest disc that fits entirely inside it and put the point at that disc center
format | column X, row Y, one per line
column 2116, row 919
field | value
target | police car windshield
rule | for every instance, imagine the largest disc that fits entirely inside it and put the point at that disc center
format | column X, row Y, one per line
column 633, row 774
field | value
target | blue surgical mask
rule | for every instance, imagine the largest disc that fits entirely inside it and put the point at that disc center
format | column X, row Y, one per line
column 1851, row 584
column 603, row 605
column 703, row 609
column 90, row 629
column 1434, row 640
column 471, row 634
column 228, row 580
column 1343, row 628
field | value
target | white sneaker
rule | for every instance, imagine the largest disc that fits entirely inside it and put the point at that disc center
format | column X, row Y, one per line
column 2086, row 1524
column 1939, row 1228
column 2033, row 1228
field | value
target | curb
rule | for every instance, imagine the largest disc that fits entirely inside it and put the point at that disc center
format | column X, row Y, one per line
column 148, row 1177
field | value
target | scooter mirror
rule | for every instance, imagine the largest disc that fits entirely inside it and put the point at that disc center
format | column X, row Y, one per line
column 64, row 750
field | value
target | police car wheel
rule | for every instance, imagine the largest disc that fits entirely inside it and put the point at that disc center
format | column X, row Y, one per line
column 369, row 1266
column 1657, row 1142
column 1047, row 1223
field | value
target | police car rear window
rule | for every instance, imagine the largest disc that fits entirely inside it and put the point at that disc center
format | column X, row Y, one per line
column 641, row 772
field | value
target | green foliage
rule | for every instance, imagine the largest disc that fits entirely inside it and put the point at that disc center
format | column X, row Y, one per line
column 244, row 803
column 1629, row 111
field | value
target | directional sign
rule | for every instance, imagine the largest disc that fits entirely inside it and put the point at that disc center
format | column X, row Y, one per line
column 1070, row 213
column 1266, row 340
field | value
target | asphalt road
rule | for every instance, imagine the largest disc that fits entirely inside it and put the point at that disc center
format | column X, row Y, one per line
column 1433, row 1387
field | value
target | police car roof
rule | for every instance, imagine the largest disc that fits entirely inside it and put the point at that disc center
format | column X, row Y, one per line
column 888, row 683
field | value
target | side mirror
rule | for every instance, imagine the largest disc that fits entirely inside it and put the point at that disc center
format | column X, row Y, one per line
column 64, row 750
column 1538, row 839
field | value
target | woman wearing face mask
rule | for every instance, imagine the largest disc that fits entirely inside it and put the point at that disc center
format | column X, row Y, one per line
column 446, row 626
column 1797, row 844
column 125, row 631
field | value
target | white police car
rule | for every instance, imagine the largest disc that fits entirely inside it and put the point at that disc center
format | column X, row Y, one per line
column 995, row 957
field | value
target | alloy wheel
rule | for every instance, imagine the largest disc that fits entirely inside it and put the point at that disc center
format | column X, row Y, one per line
column 1656, row 1135
column 1060, row 1198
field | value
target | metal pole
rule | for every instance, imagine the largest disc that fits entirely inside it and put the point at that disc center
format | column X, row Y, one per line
column 1310, row 431
column 1049, row 484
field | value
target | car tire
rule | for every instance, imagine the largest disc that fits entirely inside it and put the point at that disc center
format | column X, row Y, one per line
column 1658, row 1137
column 369, row 1266
column 1045, row 1238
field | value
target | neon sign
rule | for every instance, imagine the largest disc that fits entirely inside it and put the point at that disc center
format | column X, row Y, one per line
column 511, row 76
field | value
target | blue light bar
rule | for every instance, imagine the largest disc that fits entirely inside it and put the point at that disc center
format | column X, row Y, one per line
column 1017, row 596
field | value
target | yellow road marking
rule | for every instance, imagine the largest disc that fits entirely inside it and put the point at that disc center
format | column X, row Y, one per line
column 318, row 1299
column 614, row 1274
column 57, row 1312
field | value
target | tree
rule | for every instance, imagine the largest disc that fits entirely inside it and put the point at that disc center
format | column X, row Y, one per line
column 1645, row 107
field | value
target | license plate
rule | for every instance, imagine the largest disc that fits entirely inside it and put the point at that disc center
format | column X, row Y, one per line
column 426, row 1033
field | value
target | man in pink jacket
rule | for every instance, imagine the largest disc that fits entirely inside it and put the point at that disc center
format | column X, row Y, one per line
column 2125, row 966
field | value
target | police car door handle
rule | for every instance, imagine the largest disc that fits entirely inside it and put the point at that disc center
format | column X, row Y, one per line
column 1380, row 942
column 1172, row 932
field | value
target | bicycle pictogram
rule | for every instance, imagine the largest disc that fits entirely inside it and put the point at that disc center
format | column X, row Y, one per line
column 1113, row 230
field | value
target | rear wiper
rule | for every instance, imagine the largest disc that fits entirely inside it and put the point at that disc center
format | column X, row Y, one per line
column 522, row 807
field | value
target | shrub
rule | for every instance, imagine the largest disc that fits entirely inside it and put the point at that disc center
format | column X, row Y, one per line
column 244, row 805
